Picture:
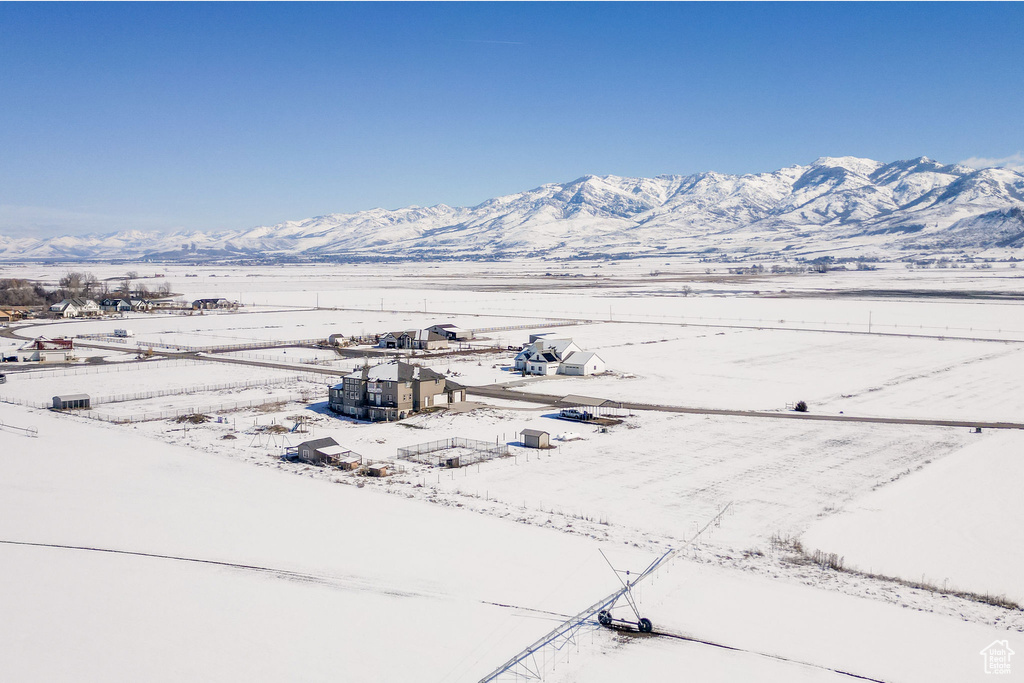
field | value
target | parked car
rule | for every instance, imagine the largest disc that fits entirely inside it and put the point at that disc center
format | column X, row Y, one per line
column 574, row 414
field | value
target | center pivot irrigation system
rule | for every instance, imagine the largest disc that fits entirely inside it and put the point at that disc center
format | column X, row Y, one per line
column 531, row 663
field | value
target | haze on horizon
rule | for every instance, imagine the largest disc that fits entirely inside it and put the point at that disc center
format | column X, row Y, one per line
column 226, row 116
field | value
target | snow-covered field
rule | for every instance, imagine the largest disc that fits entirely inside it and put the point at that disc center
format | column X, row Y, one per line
column 956, row 524
column 441, row 575
column 766, row 369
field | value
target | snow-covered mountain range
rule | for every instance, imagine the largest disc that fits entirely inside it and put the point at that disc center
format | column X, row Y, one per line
column 842, row 206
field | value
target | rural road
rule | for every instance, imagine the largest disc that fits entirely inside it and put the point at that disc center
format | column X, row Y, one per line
column 500, row 392
column 497, row 391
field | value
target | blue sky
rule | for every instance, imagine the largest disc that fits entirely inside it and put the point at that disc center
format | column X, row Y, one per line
column 222, row 116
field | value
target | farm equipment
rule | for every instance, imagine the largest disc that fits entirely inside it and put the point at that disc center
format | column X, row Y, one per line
column 605, row 617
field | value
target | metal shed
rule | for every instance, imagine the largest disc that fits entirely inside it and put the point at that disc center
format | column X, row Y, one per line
column 70, row 401
column 535, row 438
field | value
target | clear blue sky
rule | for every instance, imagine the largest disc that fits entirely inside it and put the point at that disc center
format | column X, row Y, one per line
column 221, row 116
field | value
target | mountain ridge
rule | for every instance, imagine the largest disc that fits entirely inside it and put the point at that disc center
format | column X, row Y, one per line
column 840, row 205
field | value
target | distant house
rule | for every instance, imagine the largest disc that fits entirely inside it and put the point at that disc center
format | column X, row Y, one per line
column 75, row 307
column 209, row 304
column 424, row 340
column 45, row 350
column 392, row 391
column 544, row 349
column 582, row 363
column 12, row 314
column 451, row 332
column 115, row 305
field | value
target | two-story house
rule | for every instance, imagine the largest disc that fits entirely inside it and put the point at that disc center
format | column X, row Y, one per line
column 559, row 348
column 392, row 391
column 75, row 307
column 424, row 340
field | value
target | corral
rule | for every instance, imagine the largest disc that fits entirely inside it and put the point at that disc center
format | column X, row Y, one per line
column 454, row 452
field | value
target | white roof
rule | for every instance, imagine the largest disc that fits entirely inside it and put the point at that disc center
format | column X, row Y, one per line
column 580, row 357
column 332, row 450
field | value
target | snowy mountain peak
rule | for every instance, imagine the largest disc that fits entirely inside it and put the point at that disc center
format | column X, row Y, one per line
column 842, row 204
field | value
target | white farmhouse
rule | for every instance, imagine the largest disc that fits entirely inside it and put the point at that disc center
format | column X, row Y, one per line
column 559, row 347
column 543, row 363
column 75, row 307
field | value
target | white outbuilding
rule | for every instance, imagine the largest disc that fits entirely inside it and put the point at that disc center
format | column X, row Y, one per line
column 582, row 363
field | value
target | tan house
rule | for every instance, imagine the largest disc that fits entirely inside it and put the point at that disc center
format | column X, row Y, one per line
column 392, row 391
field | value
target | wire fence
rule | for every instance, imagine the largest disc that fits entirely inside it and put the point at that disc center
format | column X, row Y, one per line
column 530, row 326
column 148, row 416
column 177, row 391
column 432, row 452
column 218, row 348
column 99, row 369
column 24, row 431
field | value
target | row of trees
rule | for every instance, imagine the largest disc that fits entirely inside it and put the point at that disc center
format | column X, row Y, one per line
column 17, row 292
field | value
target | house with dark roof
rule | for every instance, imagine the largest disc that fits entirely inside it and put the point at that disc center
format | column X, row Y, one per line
column 424, row 340
column 451, row 332
column 392, row 391
column 559, row 348
column 75, row 307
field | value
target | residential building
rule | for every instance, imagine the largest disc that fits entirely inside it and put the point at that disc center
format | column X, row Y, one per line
column 75, row 307
column 582, row 363
column 392, row 391
column 451, row 332
column 207, row 304
column 560, row 348
column 45, row 350
column 423, row 340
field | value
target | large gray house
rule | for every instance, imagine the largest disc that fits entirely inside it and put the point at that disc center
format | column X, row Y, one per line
column 392, row 391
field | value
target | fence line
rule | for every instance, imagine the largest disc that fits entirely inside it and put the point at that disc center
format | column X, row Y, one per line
column 218, row 348
column 530, row 326
column 99, row 369
column 195, row 389
column 175, row 391
column 148, row 416
column 481, row 451
column 26, row 431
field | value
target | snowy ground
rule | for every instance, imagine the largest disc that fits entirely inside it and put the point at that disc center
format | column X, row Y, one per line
column 396, row 579
column 369, row 584
column 956, row 524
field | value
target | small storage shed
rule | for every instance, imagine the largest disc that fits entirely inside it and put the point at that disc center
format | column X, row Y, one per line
column 535, row 438
column 379, row 469
column 350, row 463
column 71, row 401
column 319, row 450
